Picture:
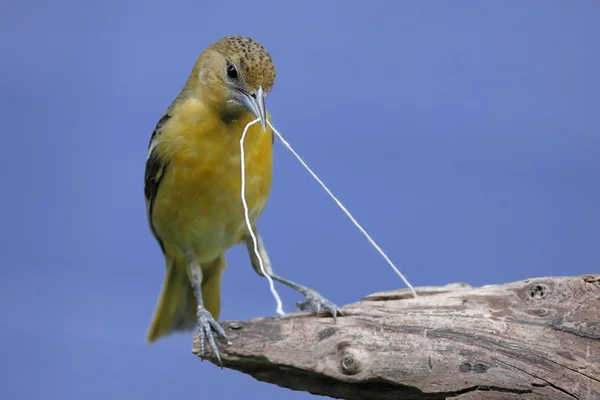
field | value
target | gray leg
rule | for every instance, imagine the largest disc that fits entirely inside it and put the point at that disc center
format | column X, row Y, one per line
column 206, row 322
column 313, row 300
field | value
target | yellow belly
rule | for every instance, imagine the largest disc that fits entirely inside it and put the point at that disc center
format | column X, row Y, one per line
column 198, row 207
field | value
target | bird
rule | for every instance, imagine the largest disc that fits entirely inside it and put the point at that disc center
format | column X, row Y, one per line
column 192, row 187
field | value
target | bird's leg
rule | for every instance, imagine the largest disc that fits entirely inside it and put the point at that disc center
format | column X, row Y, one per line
column 313, row 300
column 206, row 322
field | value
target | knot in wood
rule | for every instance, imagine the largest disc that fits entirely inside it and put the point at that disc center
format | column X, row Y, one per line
column 537, row 291
column 236, row 325
column 477, row 367
column 350, row 364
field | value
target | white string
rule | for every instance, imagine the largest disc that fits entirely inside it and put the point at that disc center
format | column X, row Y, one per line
column 249, row 225
column 344, row 210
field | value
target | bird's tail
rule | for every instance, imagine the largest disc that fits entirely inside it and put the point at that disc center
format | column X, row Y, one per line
column 177, row 305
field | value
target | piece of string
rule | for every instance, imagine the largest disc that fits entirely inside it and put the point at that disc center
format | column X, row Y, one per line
column 249, row 224
column 340, row 205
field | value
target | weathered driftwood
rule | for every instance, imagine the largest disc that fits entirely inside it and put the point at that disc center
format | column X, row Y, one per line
column 533, row 339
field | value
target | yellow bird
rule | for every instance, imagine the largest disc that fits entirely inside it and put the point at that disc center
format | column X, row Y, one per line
column 192, row 185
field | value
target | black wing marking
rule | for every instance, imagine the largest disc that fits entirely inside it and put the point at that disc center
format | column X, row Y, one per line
column 155, row 169
column 161, row 122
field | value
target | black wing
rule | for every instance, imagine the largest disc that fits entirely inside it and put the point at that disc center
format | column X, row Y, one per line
column 155, row 169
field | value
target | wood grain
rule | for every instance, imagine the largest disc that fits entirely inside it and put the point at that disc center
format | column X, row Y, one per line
column 533, row 339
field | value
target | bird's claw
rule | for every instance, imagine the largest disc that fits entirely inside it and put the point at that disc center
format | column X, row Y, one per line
column 206, row 326
column 314, row 302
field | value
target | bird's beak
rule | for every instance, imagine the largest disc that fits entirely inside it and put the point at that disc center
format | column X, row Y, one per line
column 255, row 103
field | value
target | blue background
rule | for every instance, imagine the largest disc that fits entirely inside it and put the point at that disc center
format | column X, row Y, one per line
column 463, row 135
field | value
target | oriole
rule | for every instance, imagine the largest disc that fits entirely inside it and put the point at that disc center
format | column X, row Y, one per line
column 192, row 185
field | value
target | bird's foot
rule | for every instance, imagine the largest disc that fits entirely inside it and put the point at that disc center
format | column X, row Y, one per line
column 206, row 326
column 315, row 302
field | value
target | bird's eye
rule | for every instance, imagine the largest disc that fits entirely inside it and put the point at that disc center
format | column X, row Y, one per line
column 232, row 72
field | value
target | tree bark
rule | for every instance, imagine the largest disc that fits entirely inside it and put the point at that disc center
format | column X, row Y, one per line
column 533, row 339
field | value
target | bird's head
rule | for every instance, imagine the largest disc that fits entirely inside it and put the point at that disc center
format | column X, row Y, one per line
column 234, row 75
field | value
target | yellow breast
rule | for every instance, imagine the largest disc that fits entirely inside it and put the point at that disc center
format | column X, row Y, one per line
column 198, row 204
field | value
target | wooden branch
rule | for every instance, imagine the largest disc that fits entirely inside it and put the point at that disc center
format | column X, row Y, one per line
column 533, row 339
